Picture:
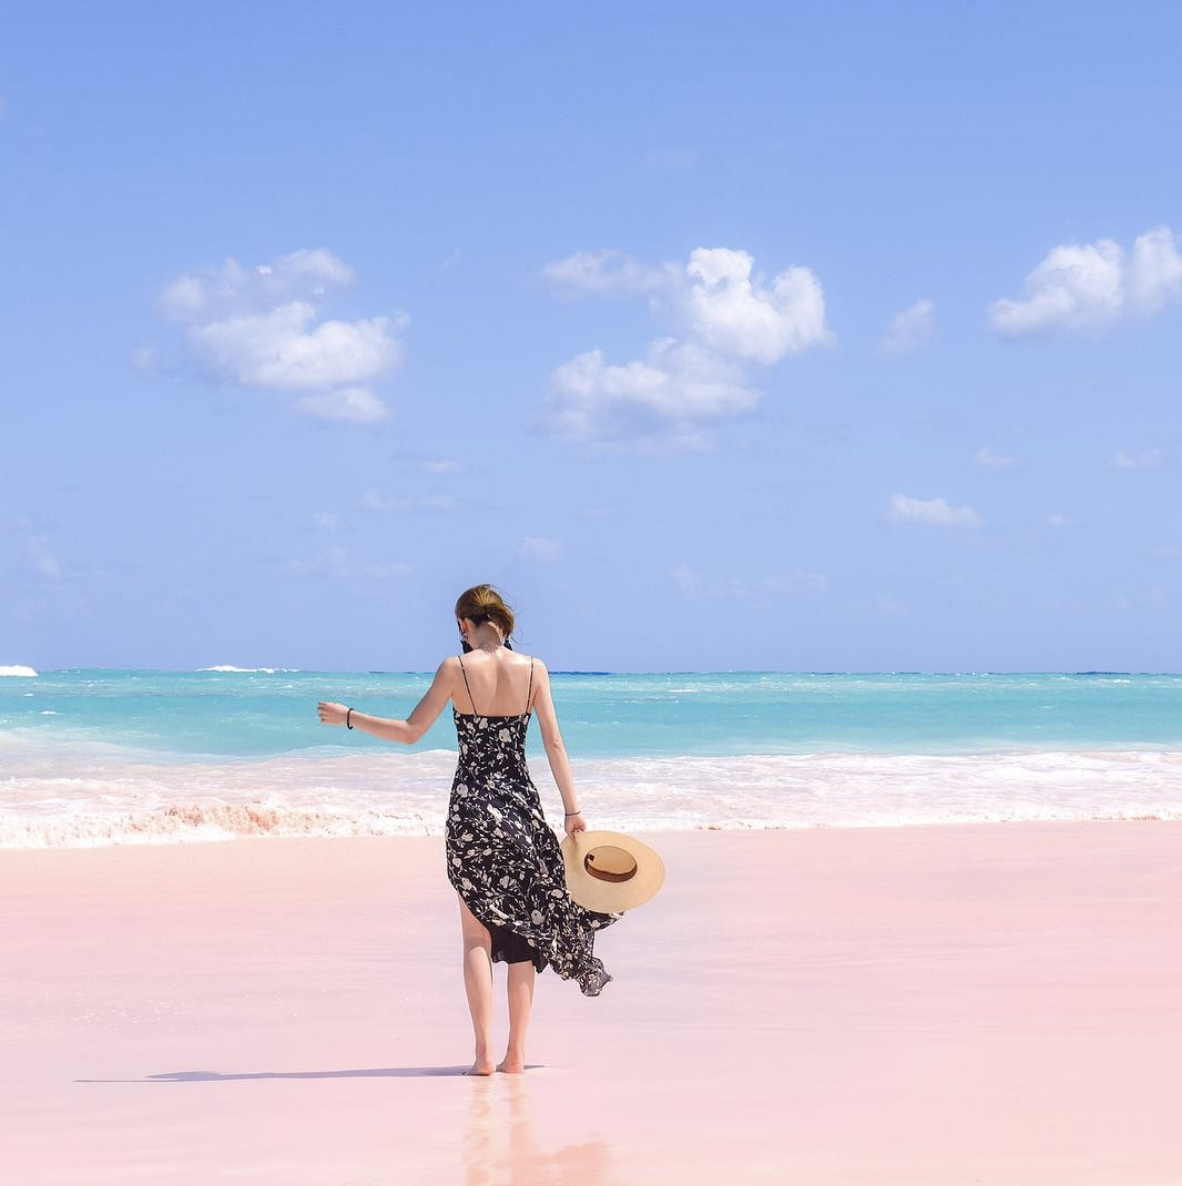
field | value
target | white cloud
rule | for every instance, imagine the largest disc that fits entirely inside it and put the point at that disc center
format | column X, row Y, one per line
column 216, row 291
column 278, row 351
column 605, row 273
column 1093, row 286
column 1155, row 271
column 441, row 465
column 903, row 509
column 1057, row 520
column 986, row 457
column 325, row 520
column 911, row 330
column 259, row 327
column 669, row 393
column 352, row 405
column 1149, row 459
column 728, row 316
column 539, row 547
column 740, row 315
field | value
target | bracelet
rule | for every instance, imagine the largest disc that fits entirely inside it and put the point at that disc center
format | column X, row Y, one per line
column 576, row 812
column 347, row 716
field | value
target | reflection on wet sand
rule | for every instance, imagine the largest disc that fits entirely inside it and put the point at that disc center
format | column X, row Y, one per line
column 501, row 1148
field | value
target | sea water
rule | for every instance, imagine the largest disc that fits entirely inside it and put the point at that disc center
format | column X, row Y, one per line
column 102, row 756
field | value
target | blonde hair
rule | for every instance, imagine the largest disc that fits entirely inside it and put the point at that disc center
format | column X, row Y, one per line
column 482, row 603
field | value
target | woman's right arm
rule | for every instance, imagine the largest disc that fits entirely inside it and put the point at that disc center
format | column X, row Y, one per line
column 555, row 749
column 388, row 729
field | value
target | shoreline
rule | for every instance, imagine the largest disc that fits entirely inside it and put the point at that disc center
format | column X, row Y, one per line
column 56, row 803
column 911, row 1005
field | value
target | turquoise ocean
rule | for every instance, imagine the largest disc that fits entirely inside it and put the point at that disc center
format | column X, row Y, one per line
column 104, row 757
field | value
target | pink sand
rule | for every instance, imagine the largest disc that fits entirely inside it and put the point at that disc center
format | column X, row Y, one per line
column 963, row 1004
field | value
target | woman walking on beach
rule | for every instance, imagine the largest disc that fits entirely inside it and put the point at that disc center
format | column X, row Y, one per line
column 503, row 859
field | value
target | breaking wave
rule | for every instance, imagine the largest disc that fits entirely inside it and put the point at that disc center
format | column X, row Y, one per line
column 86, row 801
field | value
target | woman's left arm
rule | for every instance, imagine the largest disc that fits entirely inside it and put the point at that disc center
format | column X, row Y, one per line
column 408, row 731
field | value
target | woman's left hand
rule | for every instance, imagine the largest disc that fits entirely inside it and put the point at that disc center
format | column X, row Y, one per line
column 330, row 713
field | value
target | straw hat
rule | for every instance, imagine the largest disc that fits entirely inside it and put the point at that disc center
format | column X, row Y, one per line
column 610, row 871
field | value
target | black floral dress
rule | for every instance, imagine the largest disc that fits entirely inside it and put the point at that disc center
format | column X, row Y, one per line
column 504, row 859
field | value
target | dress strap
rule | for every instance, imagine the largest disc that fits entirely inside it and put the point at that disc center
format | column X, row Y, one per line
column 466, row 685
column 530, row 690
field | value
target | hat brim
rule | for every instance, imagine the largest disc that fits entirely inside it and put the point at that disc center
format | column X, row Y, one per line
column 629, row 873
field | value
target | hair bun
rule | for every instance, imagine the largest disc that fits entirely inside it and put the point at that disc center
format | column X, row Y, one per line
column 483, row 603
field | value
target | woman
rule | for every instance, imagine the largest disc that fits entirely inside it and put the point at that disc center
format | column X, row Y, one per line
column 503, row 860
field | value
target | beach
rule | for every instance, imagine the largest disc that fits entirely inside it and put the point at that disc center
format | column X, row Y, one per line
column 993, row 1003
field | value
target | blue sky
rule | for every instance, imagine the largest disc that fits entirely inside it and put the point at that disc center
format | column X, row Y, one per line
column 792, row 336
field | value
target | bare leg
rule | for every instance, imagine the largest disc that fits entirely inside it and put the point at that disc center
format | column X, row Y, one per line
column 478, row 982
column 521, row 995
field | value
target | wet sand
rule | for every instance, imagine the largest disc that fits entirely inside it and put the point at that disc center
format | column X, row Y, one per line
column 993, row 1003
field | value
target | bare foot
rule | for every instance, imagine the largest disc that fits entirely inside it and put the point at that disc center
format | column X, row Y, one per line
column 482, row 1066
column 512, row 1066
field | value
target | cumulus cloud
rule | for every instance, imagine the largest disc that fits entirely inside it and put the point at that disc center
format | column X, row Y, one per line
column 903, row 509
column 986, row 457
column 280, row 351
column 352, row 405
column 741, row 315
column 671, row 392
column 1148, row 459
column 728, row 316
column 1094, row 285
column 260, row 327
column 911, row 330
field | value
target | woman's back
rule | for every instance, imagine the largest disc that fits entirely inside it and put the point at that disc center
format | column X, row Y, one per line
column 495, row 683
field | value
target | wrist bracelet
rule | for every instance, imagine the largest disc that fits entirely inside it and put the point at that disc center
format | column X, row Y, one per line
column 576, row 812
column 347, row 716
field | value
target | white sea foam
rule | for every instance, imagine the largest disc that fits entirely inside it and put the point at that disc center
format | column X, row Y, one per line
column 98, row 797
column 244, row 670
column 17, row 670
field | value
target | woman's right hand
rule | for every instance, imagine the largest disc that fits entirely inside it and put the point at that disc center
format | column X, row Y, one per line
column 331, row 713
column 575, row 823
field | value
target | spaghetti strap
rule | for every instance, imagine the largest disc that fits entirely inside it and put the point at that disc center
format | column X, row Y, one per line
column 530, row 690
column 466, row 684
